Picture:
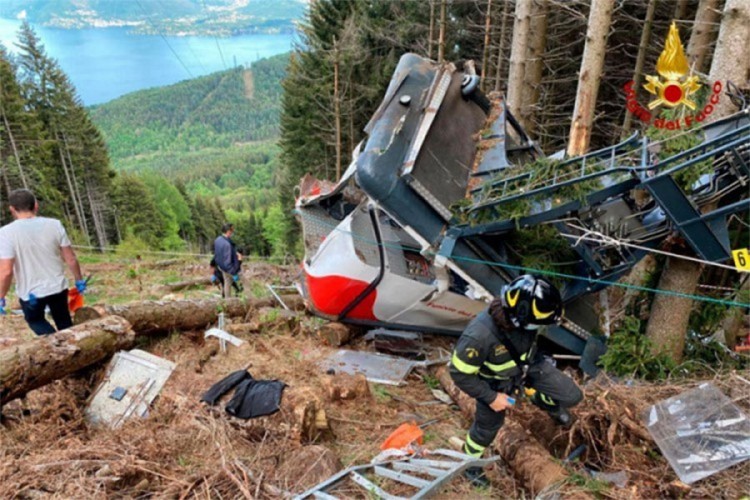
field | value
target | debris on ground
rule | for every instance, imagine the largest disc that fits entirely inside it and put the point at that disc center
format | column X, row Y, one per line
column 326, row 422
column 131, row 383
column 700, row 432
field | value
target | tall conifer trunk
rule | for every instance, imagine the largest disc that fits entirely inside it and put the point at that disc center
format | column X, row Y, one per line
column 668, row 323
column 702, row 34
column 640, row 60
column 518, row 56
column 501, row 46
column 592, row 65
column 534, row 67
column 486, row 50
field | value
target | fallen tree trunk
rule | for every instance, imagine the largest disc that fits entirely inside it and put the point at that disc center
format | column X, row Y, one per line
column 107, row 329
column 29, row 365
column 158, row 316
column 530, row 461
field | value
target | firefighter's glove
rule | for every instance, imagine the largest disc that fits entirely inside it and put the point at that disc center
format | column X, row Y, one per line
column 81, row 286
column 2, row 306
column 236, row 277
column 213, row 278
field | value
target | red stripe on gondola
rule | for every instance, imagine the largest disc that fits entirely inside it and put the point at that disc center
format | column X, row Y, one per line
column 331, row 294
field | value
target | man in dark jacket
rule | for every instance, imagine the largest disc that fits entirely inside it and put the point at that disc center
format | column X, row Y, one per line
column 227, row 261
column 496, row 356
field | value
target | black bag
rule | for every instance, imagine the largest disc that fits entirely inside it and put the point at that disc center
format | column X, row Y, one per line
column 223, row 386
column 256, row 398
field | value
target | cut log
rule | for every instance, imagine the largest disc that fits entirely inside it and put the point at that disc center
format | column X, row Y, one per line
column 158, row 316
column 32, row 364
column 334, row 334
column 243, row 328
column 345, row 386
column 530, row 461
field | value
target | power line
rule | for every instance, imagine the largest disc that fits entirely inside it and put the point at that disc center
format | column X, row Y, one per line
column 216, row 39
column 165, row 39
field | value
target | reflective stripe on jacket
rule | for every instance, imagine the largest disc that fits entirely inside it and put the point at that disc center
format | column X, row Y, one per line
column 480, row 361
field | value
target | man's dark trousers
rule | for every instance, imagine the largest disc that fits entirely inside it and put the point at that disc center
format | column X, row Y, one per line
column 553, row 387
column 58, row 306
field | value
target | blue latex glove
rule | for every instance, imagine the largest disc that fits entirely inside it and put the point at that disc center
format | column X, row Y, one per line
column 213, row 278
column 236, row 277
column 81, row 286
column 2, row 306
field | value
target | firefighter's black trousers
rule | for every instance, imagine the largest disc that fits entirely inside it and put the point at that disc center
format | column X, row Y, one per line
column 554, row 390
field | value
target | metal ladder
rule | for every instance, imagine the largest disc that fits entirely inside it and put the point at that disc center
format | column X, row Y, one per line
column 440, row 469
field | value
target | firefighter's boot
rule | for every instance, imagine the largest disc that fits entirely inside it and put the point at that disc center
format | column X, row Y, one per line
column 560, row 415
column 477, row 477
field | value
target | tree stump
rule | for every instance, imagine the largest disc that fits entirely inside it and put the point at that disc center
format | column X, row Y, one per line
column 345, row 386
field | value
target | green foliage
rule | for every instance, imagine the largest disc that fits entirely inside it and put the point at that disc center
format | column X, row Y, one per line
column 219, row 110
column 275, row 230
column 380, row 393
column 364, row 39
column 597, row 487
column 630, row 353
column 48, row 142
column 673, row 142
column 132, row 247
column 431, row 381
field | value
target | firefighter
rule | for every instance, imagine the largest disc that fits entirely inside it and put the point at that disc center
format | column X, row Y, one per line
column 496, row 357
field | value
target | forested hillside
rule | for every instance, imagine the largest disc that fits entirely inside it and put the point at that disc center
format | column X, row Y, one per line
column 206, row 144
column 218, row 110
column 214, row 136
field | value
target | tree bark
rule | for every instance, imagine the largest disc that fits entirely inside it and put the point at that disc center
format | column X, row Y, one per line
column 16, row 155
column 334, row 334
column 29, row 365
column 518, row 56
column 431, row 36
column 592, row 65
column 731, row 61
column 640, row 59
column 668, row 321
column 501, row 46
column 159, row 316
column 533, row 75
column 441, row 35
column 530, row 461
column 486, row 51
column 337, row 107
column 702, row 34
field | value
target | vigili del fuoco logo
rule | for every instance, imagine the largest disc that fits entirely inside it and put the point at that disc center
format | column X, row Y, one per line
column 672, row 88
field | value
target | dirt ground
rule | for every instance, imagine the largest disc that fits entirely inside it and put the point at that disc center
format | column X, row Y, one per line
column 186, row 450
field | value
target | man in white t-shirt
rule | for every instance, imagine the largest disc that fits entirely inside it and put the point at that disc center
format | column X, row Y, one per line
column 35, row 250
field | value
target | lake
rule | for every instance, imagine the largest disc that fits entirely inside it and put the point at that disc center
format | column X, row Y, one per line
column 105, row 63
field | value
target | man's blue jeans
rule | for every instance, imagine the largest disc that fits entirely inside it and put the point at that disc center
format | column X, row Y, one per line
column 58, row 306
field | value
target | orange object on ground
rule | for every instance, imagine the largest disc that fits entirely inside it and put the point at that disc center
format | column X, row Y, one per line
column 75, row 300
column 403, row 436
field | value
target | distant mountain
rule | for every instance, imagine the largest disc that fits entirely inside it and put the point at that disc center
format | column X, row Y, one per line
column 174, row 17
